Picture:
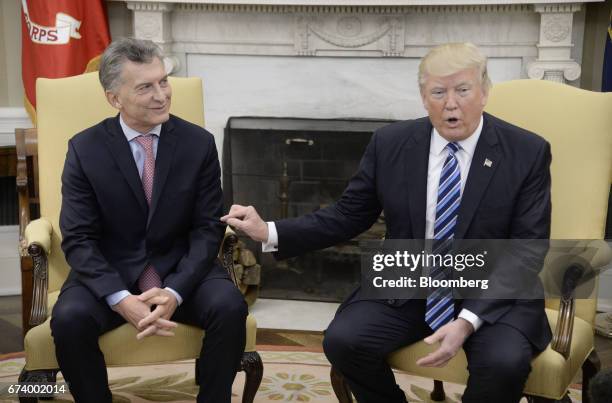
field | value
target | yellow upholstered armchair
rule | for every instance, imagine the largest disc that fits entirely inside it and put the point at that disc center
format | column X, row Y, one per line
column 578, row 124
column 65, row 107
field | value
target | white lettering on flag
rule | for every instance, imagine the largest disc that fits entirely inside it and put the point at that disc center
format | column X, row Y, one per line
column 66, row 27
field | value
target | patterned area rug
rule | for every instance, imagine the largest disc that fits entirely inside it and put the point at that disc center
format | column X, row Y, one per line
column 289, row 376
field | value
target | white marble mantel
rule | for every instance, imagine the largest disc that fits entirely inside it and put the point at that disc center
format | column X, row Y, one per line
column 540, row 33
column 348, row 58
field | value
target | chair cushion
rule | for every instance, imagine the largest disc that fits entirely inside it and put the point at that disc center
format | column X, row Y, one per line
column 550, row 376
column 120, row 346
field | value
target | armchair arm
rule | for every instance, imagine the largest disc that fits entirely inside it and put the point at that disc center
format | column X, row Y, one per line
column 38, row 242
column 37, row 237
column 562, row 336
column 38, row 232
column 226, row 254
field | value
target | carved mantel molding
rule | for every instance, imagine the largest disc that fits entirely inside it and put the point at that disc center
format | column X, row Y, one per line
column 554, row 60
column 352, row 3
column 152, row 20
column 361, row 28
column 353, row 9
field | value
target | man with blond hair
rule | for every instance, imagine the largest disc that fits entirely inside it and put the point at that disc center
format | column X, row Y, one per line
column 459, row 173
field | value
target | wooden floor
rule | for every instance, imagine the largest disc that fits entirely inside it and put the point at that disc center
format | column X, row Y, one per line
column 11, row 340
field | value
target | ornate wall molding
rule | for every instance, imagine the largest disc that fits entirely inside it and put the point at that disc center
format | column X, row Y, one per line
column 557, row 27
column 322, row 9
column 557, row 8
column 554, row 60
column 348, row 32
column 316, row 33
column 152, row 20
column 149, row 6
column 558, row 71
column 196, row 30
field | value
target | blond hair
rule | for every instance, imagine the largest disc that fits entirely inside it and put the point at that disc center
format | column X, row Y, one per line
column 450, row 58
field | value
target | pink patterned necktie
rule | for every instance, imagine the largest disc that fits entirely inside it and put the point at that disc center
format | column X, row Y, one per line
column 149, row 277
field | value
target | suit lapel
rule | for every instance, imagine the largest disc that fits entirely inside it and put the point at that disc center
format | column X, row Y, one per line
column 121, row 152
column 416, row 163
column 484, row 164
column 163, row 162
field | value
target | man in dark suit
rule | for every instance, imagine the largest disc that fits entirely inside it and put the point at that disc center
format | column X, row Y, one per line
column 141, row 232
column 458, row 173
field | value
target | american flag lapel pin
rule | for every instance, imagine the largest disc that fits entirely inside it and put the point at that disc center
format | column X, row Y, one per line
column 488, row 163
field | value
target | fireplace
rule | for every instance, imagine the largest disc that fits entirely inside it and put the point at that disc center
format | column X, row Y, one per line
column 287, row 167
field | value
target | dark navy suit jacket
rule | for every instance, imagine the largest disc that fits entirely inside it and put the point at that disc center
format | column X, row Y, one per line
column 508, row 200
column 110, row 233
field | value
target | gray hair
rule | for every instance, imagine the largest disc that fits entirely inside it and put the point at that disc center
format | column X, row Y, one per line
column 132, row 49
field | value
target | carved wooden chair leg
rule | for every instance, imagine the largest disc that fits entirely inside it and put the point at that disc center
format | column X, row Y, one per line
column 38, row 376
column 589, row 368
column 253, row 367
column 437, row 394
column 341, row 388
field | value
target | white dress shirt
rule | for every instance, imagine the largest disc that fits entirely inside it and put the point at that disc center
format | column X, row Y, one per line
column 437, row 156
column 139, row 157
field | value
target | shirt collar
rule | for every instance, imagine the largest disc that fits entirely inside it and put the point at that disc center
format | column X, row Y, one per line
column 131, row 134
column 438, row 143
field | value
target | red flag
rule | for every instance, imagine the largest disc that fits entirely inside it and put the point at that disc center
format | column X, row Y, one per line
column 60, row 38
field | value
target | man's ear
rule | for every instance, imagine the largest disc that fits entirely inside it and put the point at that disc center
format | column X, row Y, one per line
column 423, row 101
column 485, row 97
column 113, row 99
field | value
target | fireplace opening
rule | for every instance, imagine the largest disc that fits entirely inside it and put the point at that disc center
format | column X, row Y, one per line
column 286, row 167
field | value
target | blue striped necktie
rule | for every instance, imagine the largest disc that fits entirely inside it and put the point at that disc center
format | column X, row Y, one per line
column 440, row 307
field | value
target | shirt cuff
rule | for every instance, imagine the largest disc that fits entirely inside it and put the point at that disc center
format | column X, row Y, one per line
column 472, row 318
column 272, row 244
column 116, row 297
column 179, row 299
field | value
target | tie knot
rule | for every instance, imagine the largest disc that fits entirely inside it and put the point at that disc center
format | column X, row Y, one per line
column 146, row 141
column 453, row 147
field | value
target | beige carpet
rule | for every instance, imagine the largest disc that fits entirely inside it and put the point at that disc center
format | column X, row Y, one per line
column 289, row 376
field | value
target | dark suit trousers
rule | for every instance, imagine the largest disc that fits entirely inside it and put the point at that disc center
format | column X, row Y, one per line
column 364, row 333
column 79, row 318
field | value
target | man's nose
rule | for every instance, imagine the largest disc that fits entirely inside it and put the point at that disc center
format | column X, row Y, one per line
column 158, row 93
column 451, row 102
